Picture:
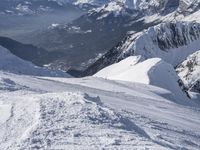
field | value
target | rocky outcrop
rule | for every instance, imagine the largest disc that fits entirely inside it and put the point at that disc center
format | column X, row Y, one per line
column 172, row 42
column 189, row 72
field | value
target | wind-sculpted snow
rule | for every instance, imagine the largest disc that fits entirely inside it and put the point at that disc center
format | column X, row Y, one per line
column 152, row 71
column 75, row 120
column 92, row 113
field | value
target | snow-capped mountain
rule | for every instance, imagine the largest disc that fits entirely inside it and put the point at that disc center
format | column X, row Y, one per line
column 150, row 7
column 172, row 41
column 32, row 7
column 154, row 6
column 84, row 36
column 114, row 8
column 82, row 2
column 146, row 7
column 189, row 72
column 112, row 21
column 144, row 91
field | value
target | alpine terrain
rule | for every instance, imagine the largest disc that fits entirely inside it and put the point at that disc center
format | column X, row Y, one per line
column 100, row 74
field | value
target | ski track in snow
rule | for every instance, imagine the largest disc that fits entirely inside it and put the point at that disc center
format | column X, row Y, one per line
column 92, row 113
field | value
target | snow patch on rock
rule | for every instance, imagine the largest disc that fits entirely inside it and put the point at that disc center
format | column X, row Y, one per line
column 189, row 72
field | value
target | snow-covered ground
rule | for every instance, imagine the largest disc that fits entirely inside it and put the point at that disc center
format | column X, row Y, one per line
column 152, row 71
column 142, row 107
column 93, row 113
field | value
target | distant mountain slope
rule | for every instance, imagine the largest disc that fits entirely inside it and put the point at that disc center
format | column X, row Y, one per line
column 171, row 41
column 89, row 36
column 29, row 52
column 104, row 28
column 32, row 7
column 13, row 64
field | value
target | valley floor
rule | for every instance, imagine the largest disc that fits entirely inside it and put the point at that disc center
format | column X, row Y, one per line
column 93, row 113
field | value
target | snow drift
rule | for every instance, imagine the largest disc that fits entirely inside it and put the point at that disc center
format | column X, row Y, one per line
column 152, row 71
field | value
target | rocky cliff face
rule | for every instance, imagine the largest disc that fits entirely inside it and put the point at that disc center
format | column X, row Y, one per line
column 172, row 42
column 187, row 7
column 189, row 72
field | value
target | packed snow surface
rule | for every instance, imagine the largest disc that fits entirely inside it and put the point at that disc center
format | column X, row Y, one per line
column 152, row 71
column 93, row 113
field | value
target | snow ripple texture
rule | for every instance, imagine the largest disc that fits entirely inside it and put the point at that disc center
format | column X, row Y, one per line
column 72, row 120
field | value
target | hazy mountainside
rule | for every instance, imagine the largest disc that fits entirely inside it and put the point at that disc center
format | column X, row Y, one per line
column 19, row 17
column 13, row 64
column 29, row 52
column 168, row 12
column 149, row 7
column 88, row 36
column 156, row 6
column 31, row 7
column 172, row 41
column 103, row 28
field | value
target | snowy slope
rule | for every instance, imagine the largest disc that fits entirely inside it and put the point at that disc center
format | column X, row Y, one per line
column 119, row 68
column 93, row 113
column 141, row 107
column 11, row 63
column 172, row 41
column 152, row 71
